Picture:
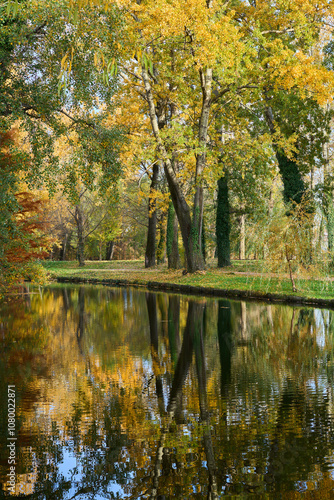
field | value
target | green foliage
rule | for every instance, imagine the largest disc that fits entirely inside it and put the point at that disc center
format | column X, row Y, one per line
column 35, row 273
column 304, row 128
column 32, row 44
column 294, row 187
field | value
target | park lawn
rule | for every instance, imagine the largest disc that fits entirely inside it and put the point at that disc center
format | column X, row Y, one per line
column 254, row 281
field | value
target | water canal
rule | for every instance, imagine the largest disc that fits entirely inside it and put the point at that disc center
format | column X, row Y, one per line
column 121, row 393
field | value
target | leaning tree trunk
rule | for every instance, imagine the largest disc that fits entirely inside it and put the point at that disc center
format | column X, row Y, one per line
column 223, row 223
column 81, row 240
column 190, row 224
column 152, row 220
column 172, row 239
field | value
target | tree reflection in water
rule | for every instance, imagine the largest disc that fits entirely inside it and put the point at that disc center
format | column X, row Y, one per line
column 125, row 394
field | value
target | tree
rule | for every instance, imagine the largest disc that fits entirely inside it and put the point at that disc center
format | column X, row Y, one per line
column 186, row 64
column 33, row 40
column 168, row 94
column 223, row 223
column 22, row 228
column 172, row 244
column 150, row 253
column 305, row 124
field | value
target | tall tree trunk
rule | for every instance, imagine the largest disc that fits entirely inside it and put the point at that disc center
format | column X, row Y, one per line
column 330, row 229
column 223, row 223
column 110, row 249
column 173, row 255
column 64, row 245
column 100, row 250
column 190, row 225
column 162, row 239
column 63, row 248
column 152, row 220
column 204, row 240
column 81, row 241
column 242, row 240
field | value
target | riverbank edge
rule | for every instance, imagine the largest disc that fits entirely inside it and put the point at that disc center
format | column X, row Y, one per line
column 203, row 290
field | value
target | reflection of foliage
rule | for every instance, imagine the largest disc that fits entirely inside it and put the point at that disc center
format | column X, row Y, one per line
column 137, row 405
column 22, row 359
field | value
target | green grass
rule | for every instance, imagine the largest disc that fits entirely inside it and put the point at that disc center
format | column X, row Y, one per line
column 227, row 279
column 54, row 265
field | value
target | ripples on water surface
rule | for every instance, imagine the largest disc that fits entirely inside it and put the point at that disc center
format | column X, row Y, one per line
column 127, row 394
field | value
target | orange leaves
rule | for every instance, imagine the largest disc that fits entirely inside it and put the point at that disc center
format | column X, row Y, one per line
column 29, row 241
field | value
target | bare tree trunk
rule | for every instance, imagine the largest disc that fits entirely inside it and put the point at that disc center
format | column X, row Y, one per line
column 64, row 245
column 161, row 250
column 152, row 221
column 100, row 250
column 81, row 241
column 223, row 226
column 172, row 239
column 110, row 250
column 242, row 248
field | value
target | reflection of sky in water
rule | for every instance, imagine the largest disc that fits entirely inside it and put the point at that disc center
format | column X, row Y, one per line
column 88, row 403
column 71, row 469
column 320, row 317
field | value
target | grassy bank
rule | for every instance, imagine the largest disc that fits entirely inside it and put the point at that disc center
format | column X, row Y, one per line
column 243, row 279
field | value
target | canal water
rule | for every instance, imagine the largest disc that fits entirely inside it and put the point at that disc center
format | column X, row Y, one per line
column 119, row 393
